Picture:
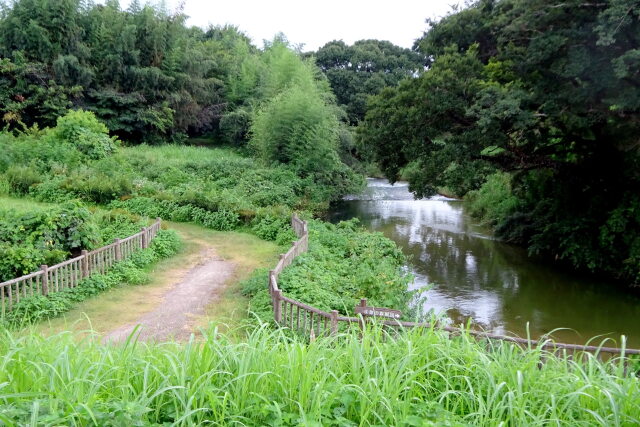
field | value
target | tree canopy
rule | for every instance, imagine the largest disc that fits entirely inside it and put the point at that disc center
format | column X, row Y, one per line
column 547, row 91
column 142, row 71
column 365, row 68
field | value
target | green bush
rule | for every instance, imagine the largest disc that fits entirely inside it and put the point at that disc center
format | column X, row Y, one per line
column 22, row 177
column 165, row 244
column 344, row 263
column 272, row 227
column 86, row 133
column 300, row 129
column 45, row 236
column 494, row 201
column 234, row 126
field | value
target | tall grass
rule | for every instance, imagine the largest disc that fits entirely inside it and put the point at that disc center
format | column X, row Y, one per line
column 419, row 378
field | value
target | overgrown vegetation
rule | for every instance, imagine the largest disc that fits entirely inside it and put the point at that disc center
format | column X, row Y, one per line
column 494, row 201
column 546, row 93
column 218, row 188
column 420, row 378
column 150, row 79
column 32, row 309
column 358, row 71
column 51, row 235
column 344, row 263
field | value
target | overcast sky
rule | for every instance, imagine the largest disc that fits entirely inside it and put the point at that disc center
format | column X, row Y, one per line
column 315, row 23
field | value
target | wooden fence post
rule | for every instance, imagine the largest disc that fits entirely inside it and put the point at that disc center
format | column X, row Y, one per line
column 334, row 322
column 118, row 249
column 84, row 264
column 145, row 243
column 272, row 275
column 45, row 280
column 277, row 309
column 363, row 303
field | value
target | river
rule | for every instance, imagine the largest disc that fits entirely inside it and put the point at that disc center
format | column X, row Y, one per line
column 473, row 276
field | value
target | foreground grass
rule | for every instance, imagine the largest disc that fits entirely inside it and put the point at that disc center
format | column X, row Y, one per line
column 269, row 379
column 124, row 305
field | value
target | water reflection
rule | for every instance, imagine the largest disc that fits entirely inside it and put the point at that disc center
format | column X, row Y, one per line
column 476, row 277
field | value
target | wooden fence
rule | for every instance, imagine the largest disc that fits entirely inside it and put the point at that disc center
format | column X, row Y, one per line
column 69, row 273
column 313, row 322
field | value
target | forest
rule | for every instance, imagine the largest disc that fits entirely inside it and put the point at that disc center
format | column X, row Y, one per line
column 524, row 111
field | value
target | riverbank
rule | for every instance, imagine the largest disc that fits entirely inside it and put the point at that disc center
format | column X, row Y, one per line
column 475, row 277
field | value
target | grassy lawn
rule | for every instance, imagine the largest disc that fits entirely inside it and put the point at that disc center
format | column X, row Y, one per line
column 21, row 205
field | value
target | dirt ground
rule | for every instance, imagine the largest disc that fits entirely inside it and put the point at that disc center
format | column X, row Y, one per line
column 182, row 303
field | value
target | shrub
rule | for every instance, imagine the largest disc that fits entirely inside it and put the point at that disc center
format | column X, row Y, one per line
column 86, row 133
column 275, row 228
column 344, row 263
column 44, row 237
column 234, row 126
column 22, row 177
column 494, row 201
column 166, row 243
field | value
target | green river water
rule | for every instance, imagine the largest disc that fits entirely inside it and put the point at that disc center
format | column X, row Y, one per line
column 474, row 276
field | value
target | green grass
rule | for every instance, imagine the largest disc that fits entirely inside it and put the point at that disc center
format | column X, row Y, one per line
column 22, row 205
column 422, row 377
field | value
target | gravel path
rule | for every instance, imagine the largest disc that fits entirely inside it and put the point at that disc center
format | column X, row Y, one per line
column 173, row 318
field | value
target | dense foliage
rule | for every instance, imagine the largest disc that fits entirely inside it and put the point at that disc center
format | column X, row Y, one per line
column 355, row 72
column 297, row 123
column 545, row 91
column 141, row 71
column 51, row 235
column 151, row 79
column 418, row 379
column 218, row 188
column 32, row 309
column 344, row 263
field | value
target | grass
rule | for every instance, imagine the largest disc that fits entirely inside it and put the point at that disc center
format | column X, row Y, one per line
column 420, row 378
column 124, row 305
column 21, row 205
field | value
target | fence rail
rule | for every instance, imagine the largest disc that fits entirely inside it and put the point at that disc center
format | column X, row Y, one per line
column 69, row 273
column 313, row 322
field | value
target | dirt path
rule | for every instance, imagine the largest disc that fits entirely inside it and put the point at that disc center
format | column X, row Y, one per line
column 183, row 302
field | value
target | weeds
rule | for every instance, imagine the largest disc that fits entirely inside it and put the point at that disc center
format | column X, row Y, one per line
column 419, row 378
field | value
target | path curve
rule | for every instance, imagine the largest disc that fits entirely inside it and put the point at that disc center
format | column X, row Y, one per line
column 187, row 299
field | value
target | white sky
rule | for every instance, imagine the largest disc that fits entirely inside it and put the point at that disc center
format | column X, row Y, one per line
column 315, row 23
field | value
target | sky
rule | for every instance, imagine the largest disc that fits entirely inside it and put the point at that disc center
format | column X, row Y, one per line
column 315, row 23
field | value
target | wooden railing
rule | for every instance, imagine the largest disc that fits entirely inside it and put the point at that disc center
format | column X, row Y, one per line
column 313, row 322
column 69, row 273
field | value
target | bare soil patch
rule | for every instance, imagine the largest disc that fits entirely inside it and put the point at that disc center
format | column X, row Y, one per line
column 176, row 314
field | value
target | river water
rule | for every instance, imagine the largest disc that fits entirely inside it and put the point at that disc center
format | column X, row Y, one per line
column 473, row 276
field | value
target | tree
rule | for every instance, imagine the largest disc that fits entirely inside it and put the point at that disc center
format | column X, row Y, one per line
column 296, row 121
column 364, row 69
column 142, row 71
column 546, row 91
